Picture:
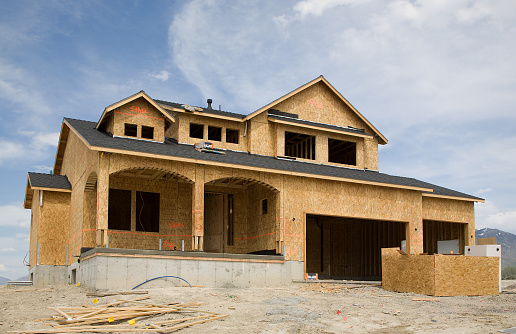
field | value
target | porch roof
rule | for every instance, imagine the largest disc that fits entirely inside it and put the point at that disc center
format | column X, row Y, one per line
column 170, row 149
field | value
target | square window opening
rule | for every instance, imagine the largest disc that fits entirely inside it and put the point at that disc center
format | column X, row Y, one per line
column 147, row 132
column 214, row 133
column 147, row 211
column 232, row 136
column 298, row 145
column 342, row 152
column 119, row 209
column 131, row 130
column 196, row 130
column 264, row 206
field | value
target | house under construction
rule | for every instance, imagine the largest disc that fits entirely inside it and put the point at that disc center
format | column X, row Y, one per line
column 158, row 188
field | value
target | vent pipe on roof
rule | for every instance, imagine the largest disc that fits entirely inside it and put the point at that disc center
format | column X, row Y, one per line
column 209, row 103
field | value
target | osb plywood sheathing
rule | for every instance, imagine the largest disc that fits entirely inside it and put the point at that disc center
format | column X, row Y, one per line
column 440, row 275
column 102, row 199
column 198, row 209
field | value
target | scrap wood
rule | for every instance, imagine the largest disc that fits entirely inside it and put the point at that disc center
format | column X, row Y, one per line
column 115, row 293
column 425, row 299
column 95, row 319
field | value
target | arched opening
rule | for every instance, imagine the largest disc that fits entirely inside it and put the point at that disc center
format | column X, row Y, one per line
column 90, row 211
column 149, row 208
column 240, row 216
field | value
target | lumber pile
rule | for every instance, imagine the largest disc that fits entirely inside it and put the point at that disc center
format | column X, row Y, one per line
column 135, row 316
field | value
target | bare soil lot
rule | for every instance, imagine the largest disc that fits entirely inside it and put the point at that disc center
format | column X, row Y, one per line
column 297, row 308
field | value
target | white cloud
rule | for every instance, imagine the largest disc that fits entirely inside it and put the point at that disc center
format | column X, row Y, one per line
column 14, row 215
column 46, row 139
column 163, row 75
column 10, row 150
column 2, row 267
column 317, row 7
column 38, row 146
column 489, row 215
column 7, row 250
column 483, row 191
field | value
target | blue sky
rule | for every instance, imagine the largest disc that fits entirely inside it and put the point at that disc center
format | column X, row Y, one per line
column 436, row 77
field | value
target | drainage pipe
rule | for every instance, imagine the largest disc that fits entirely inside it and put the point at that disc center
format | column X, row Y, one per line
column 152, row 279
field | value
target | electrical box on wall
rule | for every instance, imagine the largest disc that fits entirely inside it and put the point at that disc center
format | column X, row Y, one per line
column 487, row 250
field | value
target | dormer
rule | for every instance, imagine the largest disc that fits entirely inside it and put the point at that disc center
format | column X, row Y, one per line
column 136, row 117
column 315, row 123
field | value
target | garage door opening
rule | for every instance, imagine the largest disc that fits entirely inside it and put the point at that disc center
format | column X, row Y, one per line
column 349, row 248
column 443, row 237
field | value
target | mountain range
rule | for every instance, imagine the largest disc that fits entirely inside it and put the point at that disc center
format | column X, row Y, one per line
column 506, row 240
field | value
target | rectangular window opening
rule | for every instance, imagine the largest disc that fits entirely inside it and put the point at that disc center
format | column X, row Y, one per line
column 264, row 206
column 196, row 131
column 232, row 136
column 298, row 145
column 214, row 133
column 119, row 209
column 147, row 132
column 147, row 211
column 131, row 130
column 342, row 152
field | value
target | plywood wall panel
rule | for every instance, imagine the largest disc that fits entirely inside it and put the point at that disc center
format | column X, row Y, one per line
column 141, row 113
column 53, row 228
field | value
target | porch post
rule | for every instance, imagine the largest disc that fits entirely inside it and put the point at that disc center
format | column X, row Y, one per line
column 198, row 209
column 102, row 199
column 280, row 221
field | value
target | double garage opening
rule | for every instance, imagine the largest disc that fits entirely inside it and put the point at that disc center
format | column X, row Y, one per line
column 349, row 248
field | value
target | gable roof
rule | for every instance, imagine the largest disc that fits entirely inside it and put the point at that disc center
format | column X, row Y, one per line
column 130, row 99
column 170, row 149
column 203, row 111
column 382, row 139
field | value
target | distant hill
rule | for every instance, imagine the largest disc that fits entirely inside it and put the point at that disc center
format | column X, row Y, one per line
column 3, row 280
column 506, row 240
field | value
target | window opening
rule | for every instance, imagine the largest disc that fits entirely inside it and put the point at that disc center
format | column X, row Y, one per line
column 131, row 130
column 147, row 132
column 232, row 136
column 298, row 145
column 264, row 207
column 214, row 133
column 342, row 152
column 196, row 130
column 147, row 211
column 119, row 209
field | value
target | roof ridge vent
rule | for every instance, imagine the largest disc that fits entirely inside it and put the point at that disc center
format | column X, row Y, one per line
column 210, row 101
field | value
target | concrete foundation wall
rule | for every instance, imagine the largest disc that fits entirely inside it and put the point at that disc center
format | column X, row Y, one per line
column 107, row 269
column 48, row 275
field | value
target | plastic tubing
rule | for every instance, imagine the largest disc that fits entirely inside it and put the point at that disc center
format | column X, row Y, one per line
column 152, row 279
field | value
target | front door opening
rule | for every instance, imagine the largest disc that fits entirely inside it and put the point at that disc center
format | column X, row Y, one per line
column 213, row 223
column 349, row 248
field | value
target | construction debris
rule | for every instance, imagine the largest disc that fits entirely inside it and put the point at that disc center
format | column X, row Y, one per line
column 333, row 288
column 111, row 318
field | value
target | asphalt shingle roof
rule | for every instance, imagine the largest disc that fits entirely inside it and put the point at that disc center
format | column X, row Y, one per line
column 40, row 180
column 172, row 148
column 319, row 125
column 204, row 110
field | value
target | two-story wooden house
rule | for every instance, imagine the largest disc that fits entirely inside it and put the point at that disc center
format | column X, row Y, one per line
column 158, row 188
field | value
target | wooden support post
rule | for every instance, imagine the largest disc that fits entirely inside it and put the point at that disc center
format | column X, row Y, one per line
column 102, row 199
column 198, row 210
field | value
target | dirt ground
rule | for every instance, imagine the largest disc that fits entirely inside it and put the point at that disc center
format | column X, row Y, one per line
column 297, row 308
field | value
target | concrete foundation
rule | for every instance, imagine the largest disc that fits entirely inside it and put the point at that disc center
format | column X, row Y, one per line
column 123, row 269
column 44, row 275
